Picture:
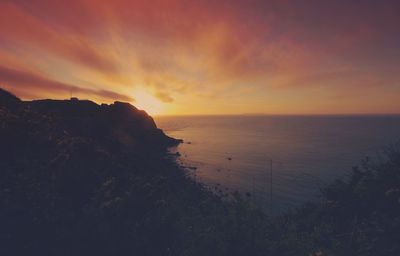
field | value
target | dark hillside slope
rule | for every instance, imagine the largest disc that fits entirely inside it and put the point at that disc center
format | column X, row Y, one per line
column 77, row 178
column 120, row 121
column 66, row 165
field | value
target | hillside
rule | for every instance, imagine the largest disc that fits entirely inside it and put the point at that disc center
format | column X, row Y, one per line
column 77, row 178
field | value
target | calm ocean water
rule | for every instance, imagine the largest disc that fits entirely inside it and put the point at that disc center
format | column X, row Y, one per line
column 306, row 152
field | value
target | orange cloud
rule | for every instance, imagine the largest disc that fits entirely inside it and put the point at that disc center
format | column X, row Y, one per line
column 164, row 97
column 21, row 29
column 20, row 81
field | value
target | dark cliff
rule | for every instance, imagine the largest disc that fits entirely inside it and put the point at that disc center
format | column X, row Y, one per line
column 119, row 123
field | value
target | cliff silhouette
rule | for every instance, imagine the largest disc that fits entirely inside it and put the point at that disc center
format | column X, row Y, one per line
column 72, row 172
column 119, row 121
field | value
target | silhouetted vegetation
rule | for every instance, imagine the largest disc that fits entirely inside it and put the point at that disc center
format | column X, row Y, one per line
column 77, row 178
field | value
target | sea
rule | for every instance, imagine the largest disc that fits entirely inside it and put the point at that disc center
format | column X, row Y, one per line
column 277, row 163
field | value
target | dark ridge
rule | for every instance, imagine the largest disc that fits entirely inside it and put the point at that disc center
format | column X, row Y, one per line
column 121, row 121
column 7, row 98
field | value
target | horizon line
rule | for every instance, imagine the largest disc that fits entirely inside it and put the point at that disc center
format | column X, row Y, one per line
column 284, row 114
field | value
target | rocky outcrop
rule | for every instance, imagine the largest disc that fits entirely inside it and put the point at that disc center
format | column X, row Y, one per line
column 119, row 123
column 8, row 99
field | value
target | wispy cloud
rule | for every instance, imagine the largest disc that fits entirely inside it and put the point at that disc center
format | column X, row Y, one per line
column 164, row 97
column 19, row 79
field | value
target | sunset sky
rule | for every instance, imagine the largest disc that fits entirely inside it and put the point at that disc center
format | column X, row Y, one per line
column 206, row 57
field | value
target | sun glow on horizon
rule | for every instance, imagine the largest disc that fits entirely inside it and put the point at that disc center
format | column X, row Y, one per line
column 147, row 102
